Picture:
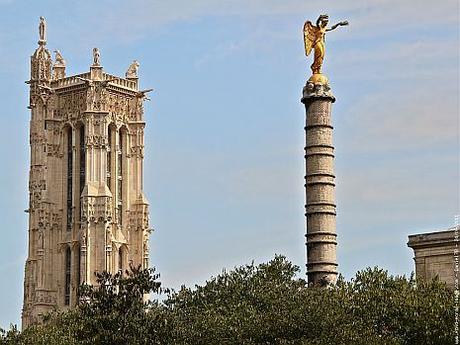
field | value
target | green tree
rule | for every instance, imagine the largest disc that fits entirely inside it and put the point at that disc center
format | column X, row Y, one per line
column 253, row 304
column 115, row 311
column 266, row 304
column 112, row 312
column 413, row 313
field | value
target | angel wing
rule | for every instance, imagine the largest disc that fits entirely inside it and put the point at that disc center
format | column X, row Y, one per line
column 309, row 36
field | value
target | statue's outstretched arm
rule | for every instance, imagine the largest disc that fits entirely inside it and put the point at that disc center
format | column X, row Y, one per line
column 333, row 27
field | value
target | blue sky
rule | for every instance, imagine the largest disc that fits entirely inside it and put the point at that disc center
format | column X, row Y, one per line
column 224, row 141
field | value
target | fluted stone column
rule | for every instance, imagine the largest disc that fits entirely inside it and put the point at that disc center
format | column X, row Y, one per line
column 320, row 186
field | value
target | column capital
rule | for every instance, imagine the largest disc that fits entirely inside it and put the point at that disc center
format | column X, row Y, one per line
column 313, row 91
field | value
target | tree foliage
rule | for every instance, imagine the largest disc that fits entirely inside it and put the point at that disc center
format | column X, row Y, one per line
column 252, row 304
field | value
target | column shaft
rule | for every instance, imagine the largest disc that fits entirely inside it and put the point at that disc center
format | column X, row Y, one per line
column 320, row 186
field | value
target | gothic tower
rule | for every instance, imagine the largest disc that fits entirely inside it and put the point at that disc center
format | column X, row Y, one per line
column 87, row 210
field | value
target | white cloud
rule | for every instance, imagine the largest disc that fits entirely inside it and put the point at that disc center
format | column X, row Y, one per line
column 140, row 18
column 404, row 119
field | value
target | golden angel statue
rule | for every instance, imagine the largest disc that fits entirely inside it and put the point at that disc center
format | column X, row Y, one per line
column 314, row 38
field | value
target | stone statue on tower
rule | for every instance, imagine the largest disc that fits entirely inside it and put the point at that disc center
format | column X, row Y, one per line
column 96, row 57
column 132, row 70
column 42, row 30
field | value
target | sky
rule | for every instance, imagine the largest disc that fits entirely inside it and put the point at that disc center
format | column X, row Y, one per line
column 224, row 139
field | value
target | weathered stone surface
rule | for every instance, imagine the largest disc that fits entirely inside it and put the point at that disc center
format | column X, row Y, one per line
column 320, row 185
column 434, row 255
column 311, row 90
column 87, row 209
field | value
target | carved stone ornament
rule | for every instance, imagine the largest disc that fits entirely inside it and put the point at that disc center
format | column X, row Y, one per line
column 96, row 57
column 58, row 58
column 42, row 31
column 132, row 70
column 96, row 209
column 96, row 140
column 317, row 91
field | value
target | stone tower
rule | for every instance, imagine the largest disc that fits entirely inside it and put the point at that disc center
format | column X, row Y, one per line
column 320, row 186
column 87, row 210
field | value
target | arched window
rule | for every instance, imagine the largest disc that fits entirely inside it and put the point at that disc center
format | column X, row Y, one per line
column 109, row 158
column 120, row 176
column 82, row 158
column 120, row 259
column 77, row 261
column 69, row 178
column 68, row 261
